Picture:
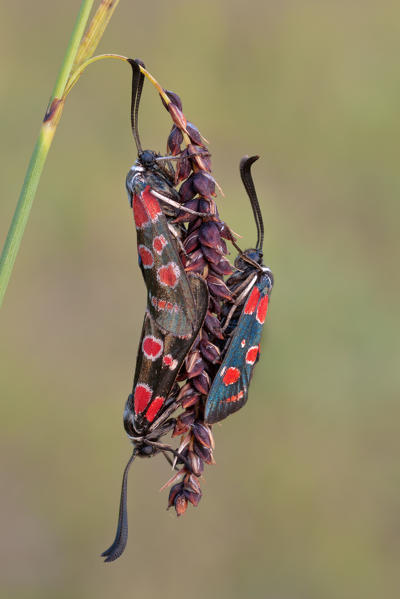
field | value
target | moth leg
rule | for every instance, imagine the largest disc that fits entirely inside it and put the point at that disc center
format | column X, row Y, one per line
column 181, row 155
column 166, row 456
column 244, row 284
column 165, row 447
column 176, row 205
column 170, row 462
column 239, row 299
column 162, row 421
column 176, row 235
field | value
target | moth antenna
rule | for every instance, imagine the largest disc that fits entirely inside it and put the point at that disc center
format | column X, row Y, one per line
column 118, row 546
column 166, row 456
column 245, row 173
column 137, row 86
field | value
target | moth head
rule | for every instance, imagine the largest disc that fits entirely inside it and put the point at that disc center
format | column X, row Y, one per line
column 249, row 259
column 146, row 451
column 147, row 158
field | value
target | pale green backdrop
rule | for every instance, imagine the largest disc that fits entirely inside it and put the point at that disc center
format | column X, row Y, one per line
column 303, row 502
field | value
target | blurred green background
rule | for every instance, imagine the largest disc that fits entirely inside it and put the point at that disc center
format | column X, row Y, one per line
column 304, row 500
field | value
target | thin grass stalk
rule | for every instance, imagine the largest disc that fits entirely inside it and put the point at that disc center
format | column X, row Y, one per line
column 79, row 47
column 40, row 152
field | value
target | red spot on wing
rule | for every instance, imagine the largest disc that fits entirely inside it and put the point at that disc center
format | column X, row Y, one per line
column 168, row 275
column 152, row 347
column 237, row 397
column 161, row 304
column 139, row 212
column 152, row 205
column 231, row 375
column 168, row 360
column 142, row 397
column 251, row 355
column 262, row 310
column 154, row 408
column 146, row 256
column 159, row 244
column 252, row 301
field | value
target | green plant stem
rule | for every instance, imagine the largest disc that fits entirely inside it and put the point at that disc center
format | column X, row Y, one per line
column 40, row 152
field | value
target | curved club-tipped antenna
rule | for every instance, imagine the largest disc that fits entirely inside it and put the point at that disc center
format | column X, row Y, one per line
column 245, row 173
column 118, row 546
column 137, row 86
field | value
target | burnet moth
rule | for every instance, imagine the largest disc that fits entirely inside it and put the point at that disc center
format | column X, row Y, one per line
column 251, row 287
column 155, row 203
column 176, row 308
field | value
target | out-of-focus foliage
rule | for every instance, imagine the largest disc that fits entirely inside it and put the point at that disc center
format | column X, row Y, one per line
column 304, row 500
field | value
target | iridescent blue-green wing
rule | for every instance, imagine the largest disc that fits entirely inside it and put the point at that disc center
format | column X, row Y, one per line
column 230, row 387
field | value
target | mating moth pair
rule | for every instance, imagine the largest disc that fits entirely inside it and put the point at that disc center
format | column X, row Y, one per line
column 198, row 329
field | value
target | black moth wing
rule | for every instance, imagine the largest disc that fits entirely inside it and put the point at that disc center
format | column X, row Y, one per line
column 160, row 357
column 170, row 298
